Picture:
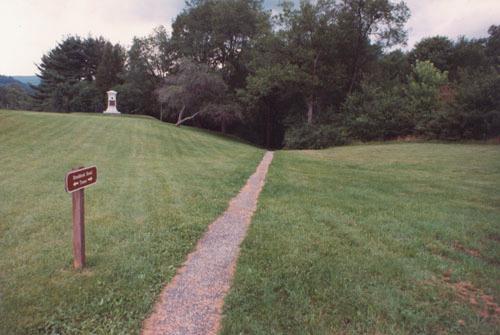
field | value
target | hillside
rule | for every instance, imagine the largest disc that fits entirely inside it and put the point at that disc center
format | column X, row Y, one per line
column 392, row 238
column 33, row 80
column 158, row 188
column 398, row 238
column 8, row 81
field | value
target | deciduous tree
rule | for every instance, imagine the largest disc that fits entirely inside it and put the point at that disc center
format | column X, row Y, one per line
column 219, row 32
column 191, row 89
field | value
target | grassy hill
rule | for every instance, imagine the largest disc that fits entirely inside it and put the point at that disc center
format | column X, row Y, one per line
column 373, row 239
column 369, row 239
column 158, row 188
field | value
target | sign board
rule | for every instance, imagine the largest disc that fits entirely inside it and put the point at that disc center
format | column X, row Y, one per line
column 80, row 179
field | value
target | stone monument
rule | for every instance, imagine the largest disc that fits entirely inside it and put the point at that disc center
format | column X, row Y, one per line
column 111, row 103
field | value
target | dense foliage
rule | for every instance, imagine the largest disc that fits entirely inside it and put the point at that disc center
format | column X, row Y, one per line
column 14, row 94
column 316, row 74
column 76, row 74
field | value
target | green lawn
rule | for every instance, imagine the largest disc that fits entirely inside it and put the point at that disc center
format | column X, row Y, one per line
column 158, row 189
column 373, row 239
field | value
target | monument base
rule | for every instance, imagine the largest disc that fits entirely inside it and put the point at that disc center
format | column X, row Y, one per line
column 111, row 110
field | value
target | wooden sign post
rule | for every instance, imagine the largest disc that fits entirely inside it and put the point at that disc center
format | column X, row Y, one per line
column 76, row 181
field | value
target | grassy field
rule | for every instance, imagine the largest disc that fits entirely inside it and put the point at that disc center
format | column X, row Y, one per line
column 158, row 188
column 373, row 239
column 369, row 239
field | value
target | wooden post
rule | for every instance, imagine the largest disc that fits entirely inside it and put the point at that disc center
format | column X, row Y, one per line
column 78, row 229
column 75, row 182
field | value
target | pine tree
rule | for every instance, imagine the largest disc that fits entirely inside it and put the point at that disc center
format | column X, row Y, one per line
column 74, row 64
column 110, row 67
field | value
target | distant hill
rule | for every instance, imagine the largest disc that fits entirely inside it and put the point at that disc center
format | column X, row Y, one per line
column 4, row 80
column 7, row 81
column 33, row 80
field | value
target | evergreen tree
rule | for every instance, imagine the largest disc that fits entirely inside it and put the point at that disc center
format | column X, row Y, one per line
column 72, row 62
column 111, row 66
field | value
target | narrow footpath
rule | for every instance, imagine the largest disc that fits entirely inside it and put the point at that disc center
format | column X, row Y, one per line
column 192, row 302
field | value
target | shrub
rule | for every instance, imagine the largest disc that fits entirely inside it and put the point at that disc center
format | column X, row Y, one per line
column 423, row 94
column 314, row 137
column 376, row 113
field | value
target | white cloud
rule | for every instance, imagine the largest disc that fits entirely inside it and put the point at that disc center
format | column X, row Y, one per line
column 452, row 18
column 30, row 28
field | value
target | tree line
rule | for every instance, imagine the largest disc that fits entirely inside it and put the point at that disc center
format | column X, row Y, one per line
column 316, row 74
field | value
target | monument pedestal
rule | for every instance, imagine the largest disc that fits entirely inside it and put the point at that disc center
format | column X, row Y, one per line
column 111, row 103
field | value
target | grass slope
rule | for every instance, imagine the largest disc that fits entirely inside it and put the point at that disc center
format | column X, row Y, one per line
column 374, row 239
column 158, row 188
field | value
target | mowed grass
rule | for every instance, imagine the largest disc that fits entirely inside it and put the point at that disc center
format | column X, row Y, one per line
column 373, row 239
column 158, row 189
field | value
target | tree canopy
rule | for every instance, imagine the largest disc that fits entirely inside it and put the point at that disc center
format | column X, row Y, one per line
column 312, row 74
column 191, row 89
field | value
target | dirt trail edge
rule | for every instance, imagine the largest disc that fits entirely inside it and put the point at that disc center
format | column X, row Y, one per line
column 192, row 302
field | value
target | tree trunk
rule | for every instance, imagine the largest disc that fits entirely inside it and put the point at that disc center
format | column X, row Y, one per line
column 353, row 77
column 360, row 36
column 223, row 126
column 268, row 128
column 310, row 109
column 181, row 120
column 310, row 101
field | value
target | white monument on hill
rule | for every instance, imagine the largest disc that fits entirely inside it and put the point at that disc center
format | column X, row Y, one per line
column 111, row 103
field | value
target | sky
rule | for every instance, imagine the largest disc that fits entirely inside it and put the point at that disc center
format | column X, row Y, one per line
column 30, row 28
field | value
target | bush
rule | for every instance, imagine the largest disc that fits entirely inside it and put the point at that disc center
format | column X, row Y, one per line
column 86, row 98
column 15, row 97
column 377, row 113
column 423, row 95
column 473, row 111
column 314, row 137
column 478, row 101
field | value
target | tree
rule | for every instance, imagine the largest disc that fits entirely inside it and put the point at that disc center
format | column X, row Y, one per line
column 438, row 50
column 451, row 56
column 424, row 86
column 476, row 111
column 392, row 68
column 157, row 53
column 223, row 113
column 378, row 112
column 190, row 90
column 149, row 60
column 62, row 65
column 330, row 43
column 306, row 33
column 467, row 54
column 86, row 98
column 493, row 45
column 93, row 50
column 362, row 21
column 266, row 90
column 72, row 62
column 218, row 33
column 110, row 67
column 14, row 96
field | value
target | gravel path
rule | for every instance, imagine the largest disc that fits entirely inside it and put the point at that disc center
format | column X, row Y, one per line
column 192, row 302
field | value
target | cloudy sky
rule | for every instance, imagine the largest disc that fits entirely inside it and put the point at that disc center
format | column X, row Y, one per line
column 30, row 28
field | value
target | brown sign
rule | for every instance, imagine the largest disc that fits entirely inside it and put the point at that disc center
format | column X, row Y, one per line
column 81, row 178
